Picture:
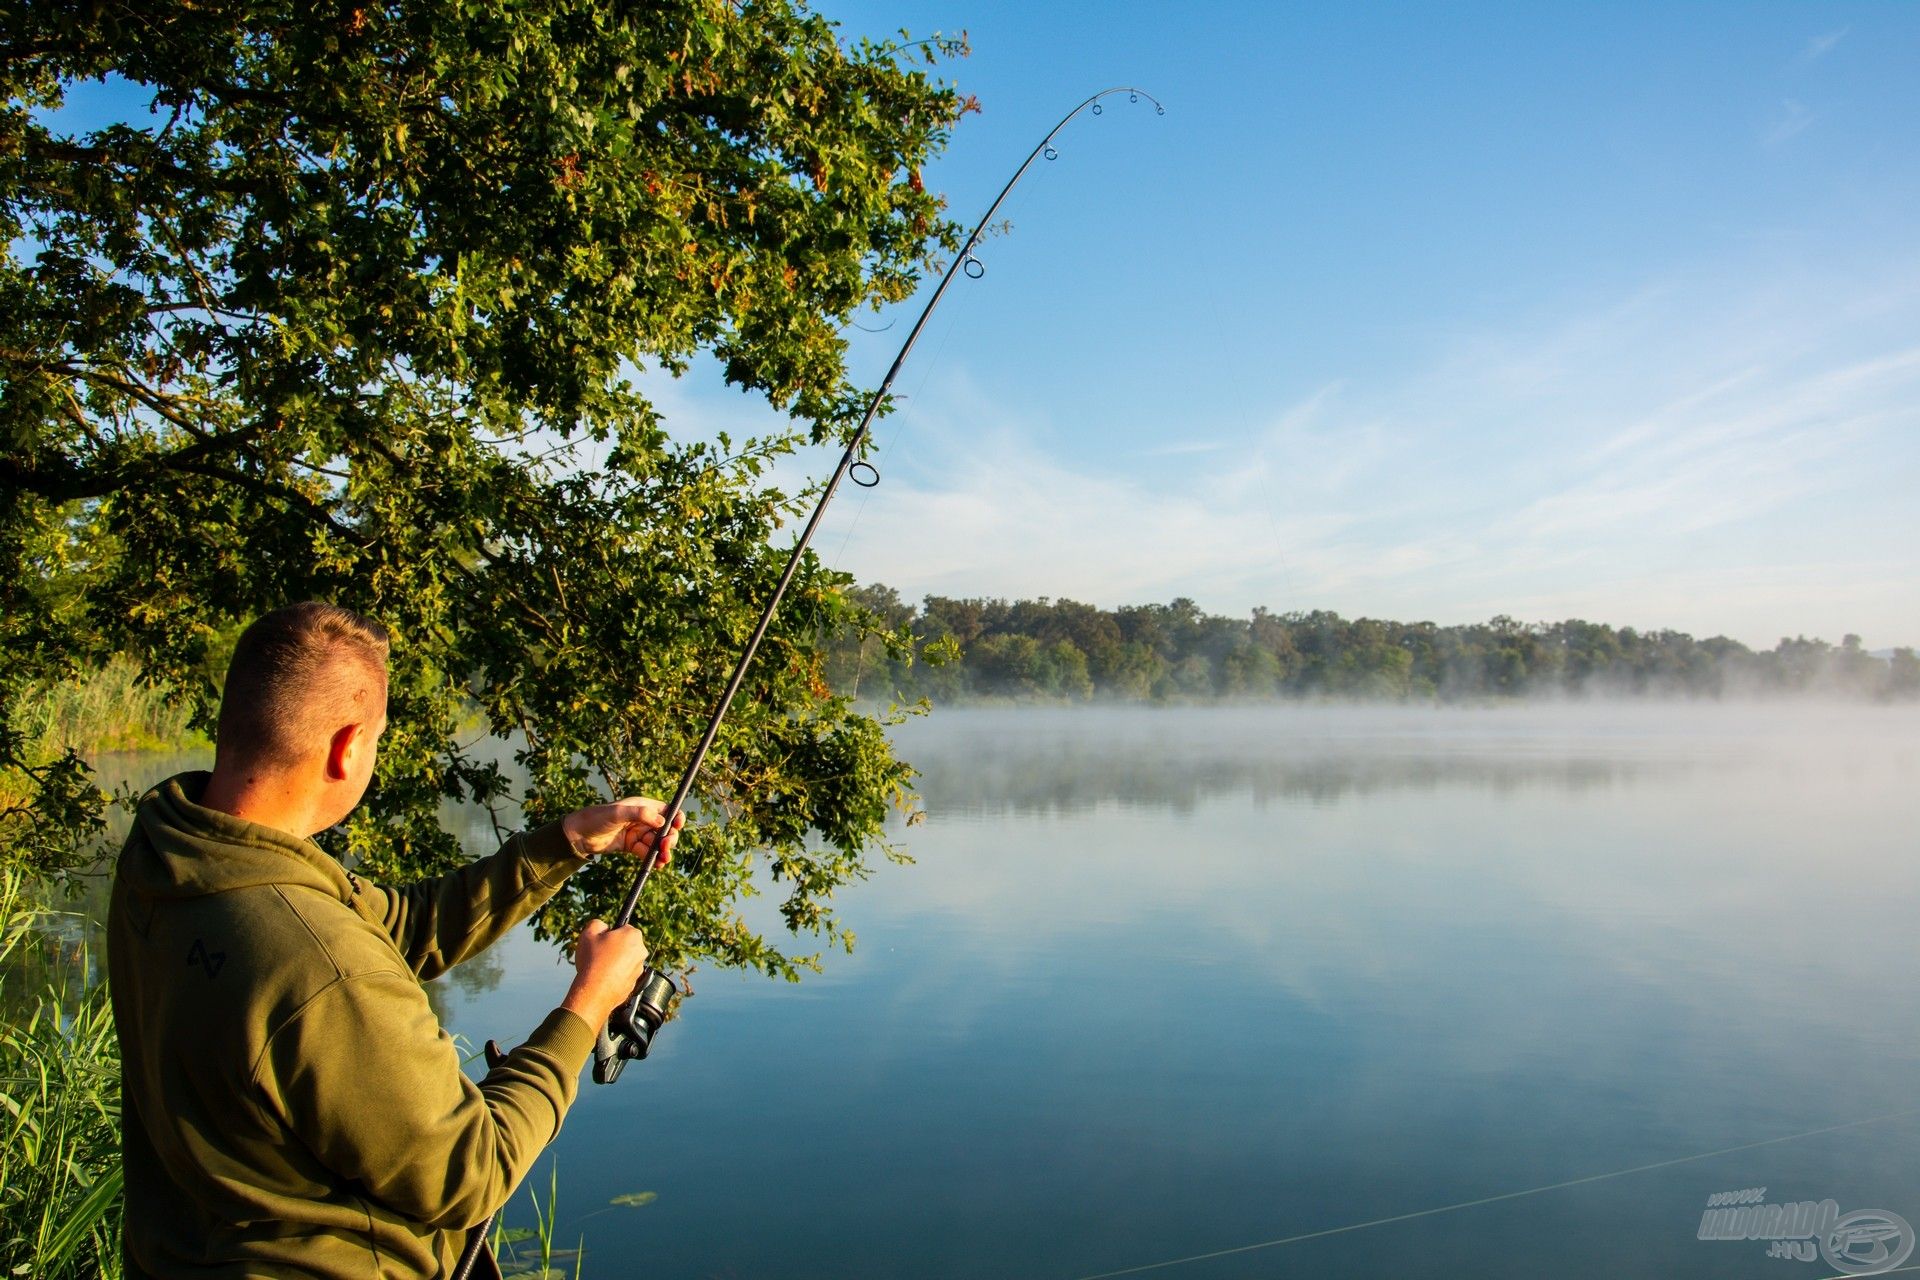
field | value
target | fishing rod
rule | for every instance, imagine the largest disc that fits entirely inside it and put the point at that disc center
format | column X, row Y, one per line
column 629, row 1032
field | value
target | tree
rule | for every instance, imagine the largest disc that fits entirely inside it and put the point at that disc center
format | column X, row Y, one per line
column 1126, row 671
column 1033, row 649
column 1249, row 671
column 355, row 313
column 1064, row 671
column 1903, row 674
column 865, row 654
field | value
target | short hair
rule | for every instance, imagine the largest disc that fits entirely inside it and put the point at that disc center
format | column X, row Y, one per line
column 297, row 675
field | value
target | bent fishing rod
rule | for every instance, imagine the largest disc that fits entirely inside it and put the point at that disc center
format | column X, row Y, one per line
column 629, row 1032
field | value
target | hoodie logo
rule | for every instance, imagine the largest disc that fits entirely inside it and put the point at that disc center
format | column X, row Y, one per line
column 209, row 960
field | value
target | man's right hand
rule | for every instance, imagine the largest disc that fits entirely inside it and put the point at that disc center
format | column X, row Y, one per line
column 608, row 964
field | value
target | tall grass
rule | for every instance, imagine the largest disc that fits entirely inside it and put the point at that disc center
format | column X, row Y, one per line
column 542, row 1234
column 107, row 710
column 60, row 1176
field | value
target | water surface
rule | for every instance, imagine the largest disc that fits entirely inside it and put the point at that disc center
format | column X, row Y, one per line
column 1173, row 982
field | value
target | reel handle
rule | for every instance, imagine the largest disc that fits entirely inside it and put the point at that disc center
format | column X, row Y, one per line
column 630, row 1028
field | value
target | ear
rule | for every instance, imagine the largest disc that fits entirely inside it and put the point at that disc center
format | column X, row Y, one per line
column 341, row 750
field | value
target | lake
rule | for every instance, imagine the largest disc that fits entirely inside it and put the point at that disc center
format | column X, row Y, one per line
column 1167, row 986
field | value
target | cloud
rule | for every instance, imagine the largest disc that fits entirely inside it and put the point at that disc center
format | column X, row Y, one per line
column 984, row 510
column 1686, row 455
column 1822, row 45
column 1183, row 448
column 981, row 508
column 1791, row 121
column 1730, row 449
column 1725, row 453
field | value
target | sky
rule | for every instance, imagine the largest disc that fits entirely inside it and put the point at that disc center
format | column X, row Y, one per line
column 1429, row 312
column 1423, row 312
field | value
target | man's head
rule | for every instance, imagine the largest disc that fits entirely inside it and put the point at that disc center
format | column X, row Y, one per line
column 304, row 706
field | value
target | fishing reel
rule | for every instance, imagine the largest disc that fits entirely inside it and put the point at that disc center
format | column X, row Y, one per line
column 630, row 1029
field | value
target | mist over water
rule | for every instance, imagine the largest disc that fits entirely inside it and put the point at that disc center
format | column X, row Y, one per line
column 1037, row 760
column 1166, row 982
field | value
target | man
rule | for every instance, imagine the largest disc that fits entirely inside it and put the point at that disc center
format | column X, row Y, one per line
column 291, row 1104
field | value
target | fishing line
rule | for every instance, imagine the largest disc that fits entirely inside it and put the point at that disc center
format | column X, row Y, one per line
column 629, row 1032
column 1486, row 1200
column 913, row 399
column 899, row 429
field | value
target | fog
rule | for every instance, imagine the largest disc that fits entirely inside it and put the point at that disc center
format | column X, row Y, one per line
column 1167, row 980
column 976, row 762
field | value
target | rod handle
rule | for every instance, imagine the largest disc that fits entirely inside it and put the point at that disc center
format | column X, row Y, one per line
column 629, row 1031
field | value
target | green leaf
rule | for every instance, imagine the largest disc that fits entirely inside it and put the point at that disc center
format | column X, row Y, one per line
column 339, row 332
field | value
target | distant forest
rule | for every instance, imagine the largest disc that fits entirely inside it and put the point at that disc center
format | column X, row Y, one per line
column 1060, row 650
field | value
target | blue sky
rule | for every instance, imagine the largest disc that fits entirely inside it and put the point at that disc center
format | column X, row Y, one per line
column 1421, row 312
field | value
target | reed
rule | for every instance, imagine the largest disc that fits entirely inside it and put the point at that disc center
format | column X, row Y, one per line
column 110, row 709
column 542, row 1255
column 60, row 1177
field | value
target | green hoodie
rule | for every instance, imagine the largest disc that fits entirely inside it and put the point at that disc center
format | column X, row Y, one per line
column 292, row 1106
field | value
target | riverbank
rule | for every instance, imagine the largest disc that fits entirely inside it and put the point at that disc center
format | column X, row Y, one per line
column 108, row 710
column 60, row 1172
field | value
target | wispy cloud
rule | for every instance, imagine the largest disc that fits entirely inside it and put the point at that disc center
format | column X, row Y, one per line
column 1789, row 122
column 1822, row 45
column 981, row 509
column 1184, row 448
column 1740, row 447
column 1680, row 457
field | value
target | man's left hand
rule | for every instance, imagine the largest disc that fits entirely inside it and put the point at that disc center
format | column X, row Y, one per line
column 625, row 826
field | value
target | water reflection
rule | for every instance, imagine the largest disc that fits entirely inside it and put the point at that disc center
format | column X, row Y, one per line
column 1166, row 983
column 975, row 778
column 986, row 763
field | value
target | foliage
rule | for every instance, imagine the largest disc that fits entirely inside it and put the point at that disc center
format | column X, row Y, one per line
column 59, row 1122
column 110, row 709
column 356, row 314
column 1067, row 651
column 539, row 1264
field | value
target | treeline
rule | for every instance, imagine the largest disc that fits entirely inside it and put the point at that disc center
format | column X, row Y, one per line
column 954, row 650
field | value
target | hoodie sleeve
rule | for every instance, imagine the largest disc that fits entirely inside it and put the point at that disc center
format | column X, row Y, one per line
column 440, row 922
column 372, row 1086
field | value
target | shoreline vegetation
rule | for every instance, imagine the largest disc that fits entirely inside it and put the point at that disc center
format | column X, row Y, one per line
column 1000, row 651
column 60, row 1204
column 58, row 1060
column 107, row 710
column 996, row 652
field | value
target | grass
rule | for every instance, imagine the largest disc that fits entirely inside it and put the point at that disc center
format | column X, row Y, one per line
column 541, row 1234
column 541, row 1253
column 60, row 1174
column 60, row 1177
column 107, row 710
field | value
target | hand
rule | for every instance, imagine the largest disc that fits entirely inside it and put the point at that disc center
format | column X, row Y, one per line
column 607, row 967
column 625, row 826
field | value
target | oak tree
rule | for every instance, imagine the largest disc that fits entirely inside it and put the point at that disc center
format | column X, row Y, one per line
column 356, row 306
